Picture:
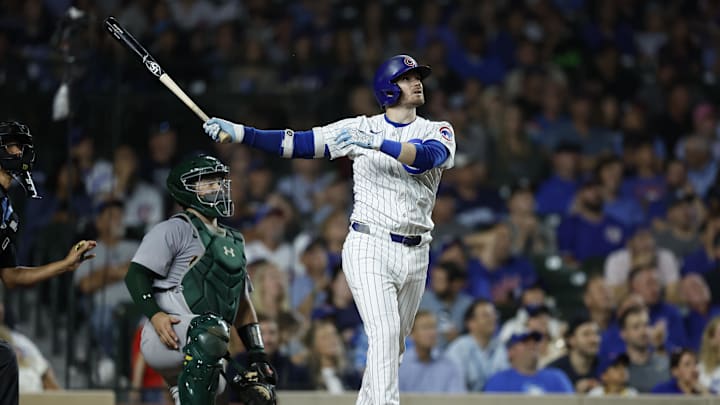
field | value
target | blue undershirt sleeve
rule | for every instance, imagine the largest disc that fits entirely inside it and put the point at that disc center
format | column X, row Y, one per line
column 429, row 154
column 302, row 144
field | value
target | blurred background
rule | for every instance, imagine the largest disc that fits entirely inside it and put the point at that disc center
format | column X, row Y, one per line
column 584, row 204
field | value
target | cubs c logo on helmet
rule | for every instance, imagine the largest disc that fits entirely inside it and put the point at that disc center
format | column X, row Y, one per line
column 410, row 62
column 446, row 133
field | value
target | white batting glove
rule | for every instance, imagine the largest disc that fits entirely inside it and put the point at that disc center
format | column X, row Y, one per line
column 213, row 126
column 359, row 138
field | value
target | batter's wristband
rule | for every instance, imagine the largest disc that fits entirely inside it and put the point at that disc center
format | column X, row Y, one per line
column 251, row 337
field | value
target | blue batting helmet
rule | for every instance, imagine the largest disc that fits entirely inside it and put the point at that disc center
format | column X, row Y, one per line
column 387, row 92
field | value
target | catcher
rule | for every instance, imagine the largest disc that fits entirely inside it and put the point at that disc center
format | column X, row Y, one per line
column 189, row 278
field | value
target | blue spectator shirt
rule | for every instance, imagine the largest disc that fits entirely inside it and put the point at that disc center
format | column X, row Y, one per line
column 625, row 210
column 437, row 375
column 698, row 262
column 453, row 313
column 547, row 380
column 695, row 324
column 477, row 364
column 612, row 344
column 583, row 239
column 667, row 387
column 555, row 195
column 516, row 274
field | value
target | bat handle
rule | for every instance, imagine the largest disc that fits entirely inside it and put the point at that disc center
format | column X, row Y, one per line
column 224, row 136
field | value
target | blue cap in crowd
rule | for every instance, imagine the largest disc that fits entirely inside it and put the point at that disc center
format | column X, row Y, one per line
column 616, row 360
column 523, row 336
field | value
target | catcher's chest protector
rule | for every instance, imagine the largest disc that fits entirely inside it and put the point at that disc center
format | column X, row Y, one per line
column 216, row 282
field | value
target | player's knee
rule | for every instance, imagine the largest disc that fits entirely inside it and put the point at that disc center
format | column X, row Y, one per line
column 208, row 337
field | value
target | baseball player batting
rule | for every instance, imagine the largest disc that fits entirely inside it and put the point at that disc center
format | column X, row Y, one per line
column 189, row 278
column 17, row 156
column 398, row 158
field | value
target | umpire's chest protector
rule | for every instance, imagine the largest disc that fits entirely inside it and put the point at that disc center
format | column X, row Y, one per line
column 216, row 282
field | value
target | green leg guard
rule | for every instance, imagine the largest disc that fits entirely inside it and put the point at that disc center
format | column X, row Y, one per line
column 207, row 343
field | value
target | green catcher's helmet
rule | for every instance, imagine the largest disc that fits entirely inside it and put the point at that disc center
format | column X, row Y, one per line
column 202, row 183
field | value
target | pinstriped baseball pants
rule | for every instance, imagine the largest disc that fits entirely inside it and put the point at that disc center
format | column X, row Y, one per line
column 387, row 280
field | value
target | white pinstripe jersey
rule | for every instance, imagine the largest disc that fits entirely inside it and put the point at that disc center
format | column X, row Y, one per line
column 389, row 194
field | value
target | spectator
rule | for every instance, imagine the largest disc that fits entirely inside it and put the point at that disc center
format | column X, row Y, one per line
column 422, row 368
column 96, row 173
column 270, row 295
column 446, row 301
column 598, row 300
column 581, row 362
column 685, row 375
column 268, row 244
column 696, row 296
column 524, row 376
column 709, row 359
column 329, row 369
column 528, row 235
column 309, row 289
column 641, row 251
column 162, row 155
column 588, row 233
column 477, row 202
column 101, row 280
column 643, row 184
column 706, row 259
column 644, row 282
column 147, row 385
column 581, row 130
column 626, row 210
column 647, row 368
column 35, row 372
column 533, row 300
column 306, row 180
column 678, row 231
column 702, row 167
column 515, row 157
column 144, row 204
column 614, row 376
column 340, row 308
column 447, row 226
column 478, row 353
column 555, row 194
column 494, row 272
column 290, row 375
column 550, row 347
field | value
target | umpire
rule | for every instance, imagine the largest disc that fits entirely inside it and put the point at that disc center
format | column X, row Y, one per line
column 17, row 156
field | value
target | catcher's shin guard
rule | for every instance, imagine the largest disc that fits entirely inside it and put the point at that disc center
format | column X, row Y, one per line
column 207, row 343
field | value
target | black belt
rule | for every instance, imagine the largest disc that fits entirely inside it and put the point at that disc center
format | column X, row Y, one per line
column 412, row 240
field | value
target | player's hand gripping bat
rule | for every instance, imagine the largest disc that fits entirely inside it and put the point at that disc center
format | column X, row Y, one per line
column 125, row 38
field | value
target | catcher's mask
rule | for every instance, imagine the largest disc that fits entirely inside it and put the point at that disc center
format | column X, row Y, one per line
column 17, row 154
column 202, row 183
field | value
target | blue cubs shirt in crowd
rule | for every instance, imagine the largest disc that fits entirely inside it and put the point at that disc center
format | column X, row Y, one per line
column 584, row 239
column 515, row 275
column 547, row 380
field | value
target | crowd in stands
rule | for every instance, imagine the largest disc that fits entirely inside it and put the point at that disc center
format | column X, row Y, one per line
column 588, row 140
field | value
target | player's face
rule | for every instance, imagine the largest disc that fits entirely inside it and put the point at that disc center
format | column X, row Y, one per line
column 411, row 90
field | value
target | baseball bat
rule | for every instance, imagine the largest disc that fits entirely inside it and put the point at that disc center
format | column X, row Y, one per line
column 127, row 40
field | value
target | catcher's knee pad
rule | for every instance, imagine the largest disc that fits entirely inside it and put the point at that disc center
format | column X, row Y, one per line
column 207, row 343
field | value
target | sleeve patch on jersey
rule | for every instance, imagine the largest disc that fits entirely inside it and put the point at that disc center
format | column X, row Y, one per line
column 446, row 133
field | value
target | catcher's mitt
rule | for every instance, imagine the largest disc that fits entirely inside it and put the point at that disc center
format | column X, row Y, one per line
column 252, row 390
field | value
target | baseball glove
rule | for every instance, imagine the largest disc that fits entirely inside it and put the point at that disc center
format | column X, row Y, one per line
column 251, row 390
